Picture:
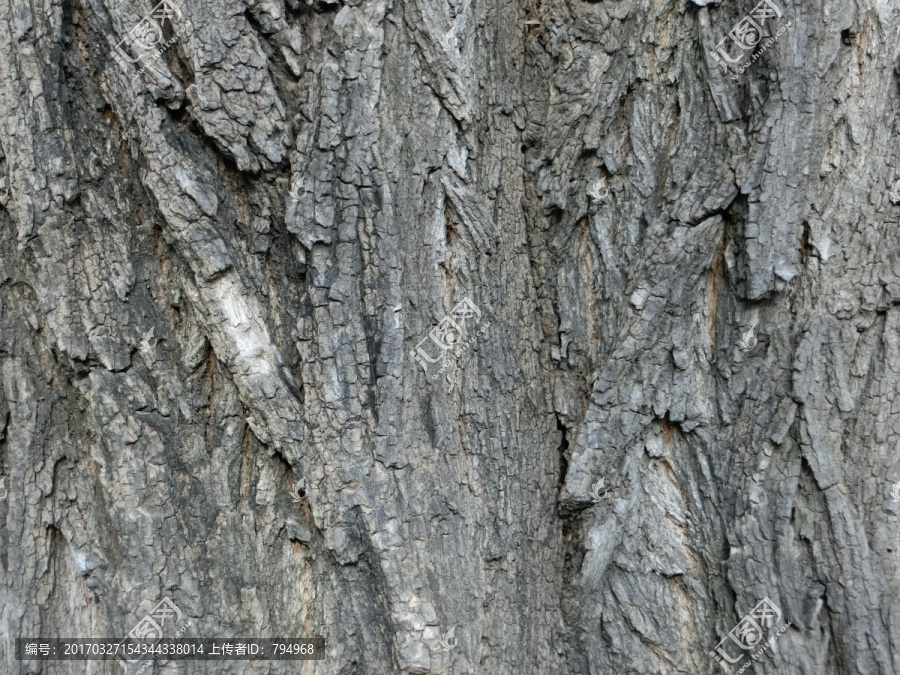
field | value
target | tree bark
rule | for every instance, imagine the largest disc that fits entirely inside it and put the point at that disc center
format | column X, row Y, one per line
column 518, row 337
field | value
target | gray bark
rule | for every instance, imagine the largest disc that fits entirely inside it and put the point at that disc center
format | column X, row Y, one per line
column 215, row 271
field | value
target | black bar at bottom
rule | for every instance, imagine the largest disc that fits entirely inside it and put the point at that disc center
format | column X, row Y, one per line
column 131, row 650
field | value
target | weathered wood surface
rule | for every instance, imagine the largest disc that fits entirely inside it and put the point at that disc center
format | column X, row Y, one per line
column 215, row 271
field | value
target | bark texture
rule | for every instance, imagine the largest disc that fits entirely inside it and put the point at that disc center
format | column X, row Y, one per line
column 216, row 264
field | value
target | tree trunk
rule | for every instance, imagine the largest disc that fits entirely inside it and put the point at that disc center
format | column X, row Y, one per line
column 474, row 337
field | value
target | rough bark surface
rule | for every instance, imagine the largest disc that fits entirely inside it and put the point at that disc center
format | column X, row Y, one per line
column 216, row 264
